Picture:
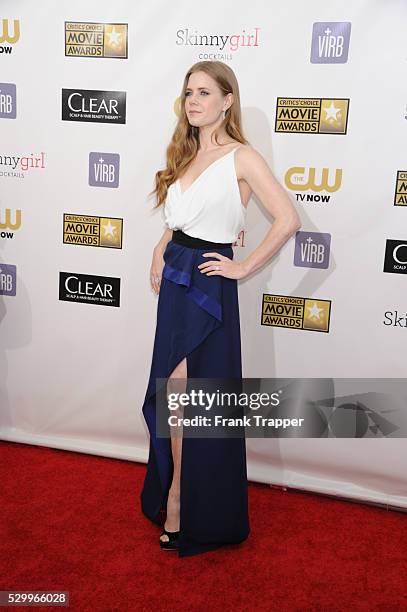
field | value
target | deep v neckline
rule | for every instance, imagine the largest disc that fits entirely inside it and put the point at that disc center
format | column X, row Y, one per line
column 182, row 193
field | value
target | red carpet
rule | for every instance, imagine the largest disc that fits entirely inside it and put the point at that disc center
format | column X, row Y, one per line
column 72, row 521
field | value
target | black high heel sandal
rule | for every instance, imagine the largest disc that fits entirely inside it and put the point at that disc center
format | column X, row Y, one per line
column 173, row 540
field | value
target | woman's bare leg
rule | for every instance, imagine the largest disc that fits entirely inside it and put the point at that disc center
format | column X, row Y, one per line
column 173, row 504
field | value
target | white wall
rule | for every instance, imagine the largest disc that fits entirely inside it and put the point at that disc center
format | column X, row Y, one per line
column 72, row 375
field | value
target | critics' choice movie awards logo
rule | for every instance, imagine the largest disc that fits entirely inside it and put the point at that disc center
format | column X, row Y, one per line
column 9, row 222
column 16, row 165
column 95, row 39
column 9, row 35
column 93, row 105
column 330, row 42
column 8, row 101
column 395, row 257
column 400, row 197
column 312, row 115
column 93, row 231
column 312, row 249
column 90, row 289
column 223, row 42
column 300, row 179
column 8, row 279
column 295, row 312
column 104, row 169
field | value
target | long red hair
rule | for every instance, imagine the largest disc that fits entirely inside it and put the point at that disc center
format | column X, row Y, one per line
column 184, row 143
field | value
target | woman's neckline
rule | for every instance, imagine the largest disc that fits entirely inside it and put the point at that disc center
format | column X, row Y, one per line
column 205, row 170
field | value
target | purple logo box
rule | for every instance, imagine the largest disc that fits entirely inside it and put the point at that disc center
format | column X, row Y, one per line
column 330, row 42
column 312, row 249
column 104, row 169
column 8, row 101
column 8, row 276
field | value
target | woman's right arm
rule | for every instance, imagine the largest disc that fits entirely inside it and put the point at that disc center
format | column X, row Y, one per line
column 164, row 240
column 157, row 264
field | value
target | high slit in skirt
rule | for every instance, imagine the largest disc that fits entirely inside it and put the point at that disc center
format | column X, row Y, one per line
column 197, row 318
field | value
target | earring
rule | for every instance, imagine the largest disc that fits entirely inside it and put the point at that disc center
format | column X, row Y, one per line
column 224, row 114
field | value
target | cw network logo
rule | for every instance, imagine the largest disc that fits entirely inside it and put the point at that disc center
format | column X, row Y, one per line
column 7, row 223
column 6, row 37
column 300, row 179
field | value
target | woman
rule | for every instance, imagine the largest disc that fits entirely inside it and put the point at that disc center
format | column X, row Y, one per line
column 201, row 484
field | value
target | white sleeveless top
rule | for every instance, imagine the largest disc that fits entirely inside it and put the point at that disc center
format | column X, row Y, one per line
column 210, row 208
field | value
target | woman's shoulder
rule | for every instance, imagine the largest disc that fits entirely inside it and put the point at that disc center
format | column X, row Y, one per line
column 246, row 153
column 248, row 159
column 245, row 150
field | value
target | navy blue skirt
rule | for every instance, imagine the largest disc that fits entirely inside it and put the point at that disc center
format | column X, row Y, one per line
column 197, row 318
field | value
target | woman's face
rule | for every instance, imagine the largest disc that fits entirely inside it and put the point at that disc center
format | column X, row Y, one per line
column 204, row 102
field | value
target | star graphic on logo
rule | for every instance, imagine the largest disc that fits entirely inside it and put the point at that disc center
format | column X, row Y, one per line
column 114, row 37
column 332, row 111
column 109, row 229
column 314, row 311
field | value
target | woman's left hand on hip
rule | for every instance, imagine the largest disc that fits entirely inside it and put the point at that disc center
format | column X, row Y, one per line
column 222, row 266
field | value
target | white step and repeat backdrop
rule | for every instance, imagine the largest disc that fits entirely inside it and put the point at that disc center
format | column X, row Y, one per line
column 323, row 100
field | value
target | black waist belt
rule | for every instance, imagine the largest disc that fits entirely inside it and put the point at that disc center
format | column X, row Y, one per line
column 179, row 237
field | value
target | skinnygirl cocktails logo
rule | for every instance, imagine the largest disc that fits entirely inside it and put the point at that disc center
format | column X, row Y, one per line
column 222, row 42
column 16, row 166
